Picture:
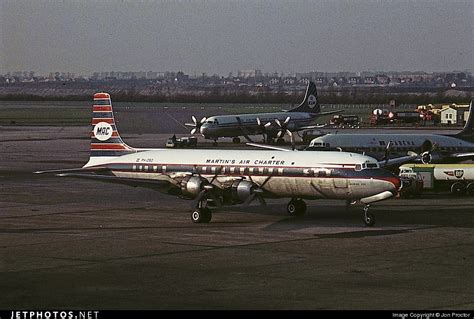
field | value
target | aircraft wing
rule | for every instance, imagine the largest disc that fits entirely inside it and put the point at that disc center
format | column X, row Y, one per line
column 74, row 170
column 270, row 147
column 309, row 127
column 135, row 182
column 463, row 155
column 395, row 162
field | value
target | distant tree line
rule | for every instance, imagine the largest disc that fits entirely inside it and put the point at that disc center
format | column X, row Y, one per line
column 325, row 97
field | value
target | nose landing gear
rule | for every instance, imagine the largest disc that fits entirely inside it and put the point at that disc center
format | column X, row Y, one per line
column 369, row 218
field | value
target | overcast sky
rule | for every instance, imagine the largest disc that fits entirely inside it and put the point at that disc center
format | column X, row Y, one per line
column 222, row 36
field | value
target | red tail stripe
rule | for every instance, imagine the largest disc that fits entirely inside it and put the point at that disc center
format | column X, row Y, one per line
column 108, row 147
column 98, row 120
column 102, row 108
column 101, row 96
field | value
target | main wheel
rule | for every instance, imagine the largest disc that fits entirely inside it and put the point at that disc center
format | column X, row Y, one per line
column 207, row 215
column 301, row 207
column 198, row 215
column 458, row 189
column 296, row 207
column 236, row 140
column 470, row 189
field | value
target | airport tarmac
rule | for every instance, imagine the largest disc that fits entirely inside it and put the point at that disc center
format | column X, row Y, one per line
column 78, row 244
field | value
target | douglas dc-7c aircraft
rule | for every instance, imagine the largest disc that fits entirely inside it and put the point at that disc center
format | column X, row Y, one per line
column 217, row 177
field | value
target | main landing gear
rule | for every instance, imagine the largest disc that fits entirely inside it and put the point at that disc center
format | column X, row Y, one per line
column 369, row 219
column 296, row 207
column 201, row 213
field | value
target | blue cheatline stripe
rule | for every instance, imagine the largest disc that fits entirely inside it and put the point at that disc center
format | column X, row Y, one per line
column 115, row 140
column 102, row 102
column 97, row 153
column 97, row 115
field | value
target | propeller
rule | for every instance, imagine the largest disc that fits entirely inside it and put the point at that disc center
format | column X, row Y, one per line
column 196, row 125
column 263, row 128
column 257, row 192
column 208, row 190
column 387, row 152
column 283, row 129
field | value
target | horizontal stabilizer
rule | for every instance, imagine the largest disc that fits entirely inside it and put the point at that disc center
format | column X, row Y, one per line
column 73, row 170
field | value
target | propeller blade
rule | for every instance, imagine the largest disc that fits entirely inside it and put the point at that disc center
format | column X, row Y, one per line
column 278, row 122
column 258, row 121
column 249, row 199
column 289, row 133
column 190, row 124
column 262, row 201
column 193, row 130
column 279, row 134
column 203, row 120
column 268, row 124
column 287, row 120
column 194, row 119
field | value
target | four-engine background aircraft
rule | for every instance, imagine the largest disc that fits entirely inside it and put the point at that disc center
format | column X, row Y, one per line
column 217, row 177
column 434, row 148
column 270, row 125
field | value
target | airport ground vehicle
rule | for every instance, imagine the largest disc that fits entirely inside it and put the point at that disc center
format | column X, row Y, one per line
column 345, row 120
column 174, row 142
column 457, row 178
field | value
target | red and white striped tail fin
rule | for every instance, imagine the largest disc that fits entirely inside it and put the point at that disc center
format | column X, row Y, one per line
column 106, row 143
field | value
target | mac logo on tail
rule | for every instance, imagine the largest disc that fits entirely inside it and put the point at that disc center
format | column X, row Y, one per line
column 103, row 131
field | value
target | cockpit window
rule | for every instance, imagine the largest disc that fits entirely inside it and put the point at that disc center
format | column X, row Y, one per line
column 366, row 165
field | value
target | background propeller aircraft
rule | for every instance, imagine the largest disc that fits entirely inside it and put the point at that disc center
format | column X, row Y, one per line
column 270, row 125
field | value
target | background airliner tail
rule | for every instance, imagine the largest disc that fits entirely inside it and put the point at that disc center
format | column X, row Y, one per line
column 466, row 132
column 310, row 103
column 106, row 142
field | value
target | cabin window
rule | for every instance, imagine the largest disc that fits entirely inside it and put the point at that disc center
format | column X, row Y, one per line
column 155, row 168
column 280, row 171
column 134, row 167
column 372, row 165
column 163, row 168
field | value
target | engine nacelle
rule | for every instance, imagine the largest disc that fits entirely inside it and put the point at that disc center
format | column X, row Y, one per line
column 191, row 186
column 241, row 190
column 428, row 158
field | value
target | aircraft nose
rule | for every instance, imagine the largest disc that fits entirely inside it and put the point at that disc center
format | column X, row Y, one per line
column 204, row 129
column 396, row 181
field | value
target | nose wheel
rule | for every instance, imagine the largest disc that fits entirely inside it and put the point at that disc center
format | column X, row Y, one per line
column 369, row 218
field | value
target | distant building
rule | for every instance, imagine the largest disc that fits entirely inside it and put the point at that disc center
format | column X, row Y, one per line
column 252, row 73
